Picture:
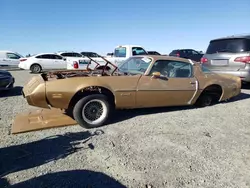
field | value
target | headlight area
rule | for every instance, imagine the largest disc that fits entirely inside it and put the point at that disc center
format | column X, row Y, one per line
column 35, row 96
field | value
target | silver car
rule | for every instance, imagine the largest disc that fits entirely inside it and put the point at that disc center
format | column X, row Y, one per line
column 230, row 55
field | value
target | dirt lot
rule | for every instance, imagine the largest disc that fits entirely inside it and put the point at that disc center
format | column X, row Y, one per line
column 170, row 147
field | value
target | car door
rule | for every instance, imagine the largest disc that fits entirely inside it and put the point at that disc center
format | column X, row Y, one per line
column 175, row 87
column 44, row 60
column 58, row 62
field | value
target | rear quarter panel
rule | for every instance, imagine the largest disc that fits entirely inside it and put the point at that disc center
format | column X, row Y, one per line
column 60, row 92
column 230, row 84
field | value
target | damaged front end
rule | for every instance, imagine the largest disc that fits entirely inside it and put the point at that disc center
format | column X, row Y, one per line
column 36, row 95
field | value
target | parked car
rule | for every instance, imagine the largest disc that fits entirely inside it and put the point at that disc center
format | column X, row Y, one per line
column 9, row 58
column 70, row 54
column 188, row 54
column 141, row 81
column 43, row 61
column 6, row 80
column 90, row 54
column 120, row 54
column 230, row 55
column 153, row 53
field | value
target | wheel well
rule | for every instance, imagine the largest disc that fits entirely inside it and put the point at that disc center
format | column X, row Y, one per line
column 91, row 90
column 215, row 90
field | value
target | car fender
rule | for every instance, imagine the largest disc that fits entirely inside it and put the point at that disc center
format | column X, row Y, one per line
column 60, row 97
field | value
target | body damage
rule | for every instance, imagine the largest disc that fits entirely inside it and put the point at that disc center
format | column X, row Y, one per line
column 130, row 91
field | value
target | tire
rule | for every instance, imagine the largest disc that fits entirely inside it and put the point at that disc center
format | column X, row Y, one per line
column 36, row 68
column 204, row 100
column 89, row 120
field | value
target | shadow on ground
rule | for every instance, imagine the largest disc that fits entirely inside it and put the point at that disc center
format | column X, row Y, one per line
column 15, row 91
column 241, row 96
column 245, row 86
column 30, row 155
column 122, row 115
column 70, row 179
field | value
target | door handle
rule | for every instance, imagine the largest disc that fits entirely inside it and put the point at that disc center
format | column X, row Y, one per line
column 192, row 82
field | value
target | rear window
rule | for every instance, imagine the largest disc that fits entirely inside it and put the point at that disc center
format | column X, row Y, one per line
column 229, row 45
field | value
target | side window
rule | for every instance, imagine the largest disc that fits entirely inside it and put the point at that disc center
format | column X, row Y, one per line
column 56, row 57
column 76, row 55
column 12, row 56
column 180, row 69
column 194, row 52
column 43, row 56
column 66, row 54
column 120, row 52
column 172, row 69
column 138, row 51
column 83, row 53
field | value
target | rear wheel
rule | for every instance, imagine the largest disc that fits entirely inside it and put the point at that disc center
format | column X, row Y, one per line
column 92, row 111
column 204, row 100
column 36, row 68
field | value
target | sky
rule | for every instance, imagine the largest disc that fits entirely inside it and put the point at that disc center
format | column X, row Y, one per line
column 37, row 26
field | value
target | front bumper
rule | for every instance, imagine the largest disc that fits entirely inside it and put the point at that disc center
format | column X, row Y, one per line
column 34, row 92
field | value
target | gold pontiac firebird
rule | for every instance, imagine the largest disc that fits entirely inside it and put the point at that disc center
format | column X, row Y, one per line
column 90, row 96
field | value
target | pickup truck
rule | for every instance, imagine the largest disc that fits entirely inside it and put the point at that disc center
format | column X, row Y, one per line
column 120, row 54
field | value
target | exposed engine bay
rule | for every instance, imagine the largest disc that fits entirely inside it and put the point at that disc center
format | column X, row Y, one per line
column 97, row 71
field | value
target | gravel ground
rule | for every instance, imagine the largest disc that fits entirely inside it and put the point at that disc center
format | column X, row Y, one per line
column 170, row 147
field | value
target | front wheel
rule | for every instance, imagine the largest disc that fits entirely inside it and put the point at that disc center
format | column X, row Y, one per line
column 92, row 111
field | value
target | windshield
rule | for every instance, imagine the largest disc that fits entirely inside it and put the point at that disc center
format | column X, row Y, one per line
column 135, row 65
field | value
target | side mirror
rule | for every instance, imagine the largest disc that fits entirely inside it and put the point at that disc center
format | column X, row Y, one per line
column 64, row 59
column 158, row 75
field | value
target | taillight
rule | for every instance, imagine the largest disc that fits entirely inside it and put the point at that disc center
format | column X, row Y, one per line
column 76, row 66
column 245, row 59
column 203, row 60
column 22, row 60
column 178, row 55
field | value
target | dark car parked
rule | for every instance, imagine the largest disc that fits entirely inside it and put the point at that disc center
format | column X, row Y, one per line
column 90, row 54
column 188, row 54
column 153, row 53
column 6, row 80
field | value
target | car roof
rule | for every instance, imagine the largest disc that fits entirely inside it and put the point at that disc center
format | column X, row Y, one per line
column 184, row 49
column 246, row 36
column 164, row 57
column 60, row 52
column 89, row 52
column 7, row 51
column 46, row 54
